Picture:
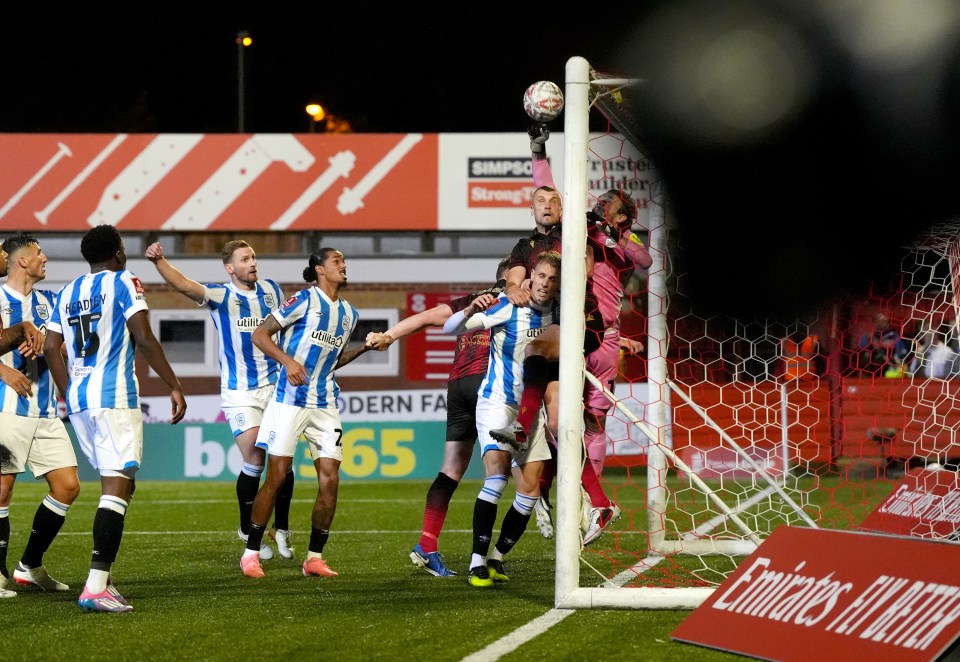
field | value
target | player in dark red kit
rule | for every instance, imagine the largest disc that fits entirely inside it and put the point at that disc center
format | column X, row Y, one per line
column 469, row 366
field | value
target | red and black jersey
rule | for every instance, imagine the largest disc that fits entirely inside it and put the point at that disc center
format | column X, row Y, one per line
column 528, row 249
column 473, row 349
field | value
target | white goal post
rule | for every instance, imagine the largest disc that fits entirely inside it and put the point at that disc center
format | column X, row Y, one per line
column 582, row 89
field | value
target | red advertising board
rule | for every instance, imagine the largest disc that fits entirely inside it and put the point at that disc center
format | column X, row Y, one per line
column 925, row 503
column 200, row 182
column 429, row 352
column 811, row 594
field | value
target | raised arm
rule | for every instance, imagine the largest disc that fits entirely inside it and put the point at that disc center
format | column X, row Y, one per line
column 542, row 175
column 149, row 346
column 349, row 354
column 174, row 277
column 435, row 316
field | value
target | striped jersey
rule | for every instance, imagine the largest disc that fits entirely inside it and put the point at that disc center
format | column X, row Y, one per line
column 315, row 330
column 91, row 314
column 237, row 313
column 511, row 329
column 36, row 307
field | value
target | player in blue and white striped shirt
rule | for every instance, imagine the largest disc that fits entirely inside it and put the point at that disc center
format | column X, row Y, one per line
column 511, row 329
column 247, row 376
column 102, row 320
column 315, row 326
column 34, row 436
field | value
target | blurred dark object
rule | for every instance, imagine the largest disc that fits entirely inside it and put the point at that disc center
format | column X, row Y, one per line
column 801, row 144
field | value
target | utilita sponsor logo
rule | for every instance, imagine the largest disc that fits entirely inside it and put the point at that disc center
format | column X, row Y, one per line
column 505, row 183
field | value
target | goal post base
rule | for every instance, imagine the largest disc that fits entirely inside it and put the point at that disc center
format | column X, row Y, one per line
column 634, row 598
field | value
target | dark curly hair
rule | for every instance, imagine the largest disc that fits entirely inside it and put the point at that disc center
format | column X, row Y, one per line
column 100, row 244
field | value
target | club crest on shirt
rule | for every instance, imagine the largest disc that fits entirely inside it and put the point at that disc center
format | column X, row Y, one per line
column 269, row 301
column 42, row 311
column 345, row 323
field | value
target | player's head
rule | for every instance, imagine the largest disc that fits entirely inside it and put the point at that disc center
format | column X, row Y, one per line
column 502, row 268
column 102, row 244
column 24, row 250
column 240, row 261
column 617, row 211
column 545, row 280
column 3, row 262
column 547, row 207
column 326, row 264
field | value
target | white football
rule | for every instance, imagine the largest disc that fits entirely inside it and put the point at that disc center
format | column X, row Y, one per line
column 543, row 101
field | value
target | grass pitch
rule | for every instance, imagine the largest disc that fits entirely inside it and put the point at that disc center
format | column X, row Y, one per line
column 179, row 567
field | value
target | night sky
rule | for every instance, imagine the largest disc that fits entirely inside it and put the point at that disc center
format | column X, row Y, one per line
column 385, row 67
column 802, row 143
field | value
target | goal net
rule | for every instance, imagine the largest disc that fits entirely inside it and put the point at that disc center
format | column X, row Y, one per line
column 709, row 447
column 726, row 428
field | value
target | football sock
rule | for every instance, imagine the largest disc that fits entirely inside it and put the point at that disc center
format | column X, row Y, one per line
column 534, row 384
column 248, row 482
column 255, row 539
column 596, row 443
column 4, row 540
column 107, row 533
column 484, row 517
column 47, row 523
column 97, row 580
column 591, row 484
column 281, row 505
column 513, row 526
column 318, row 539
column 435, row 512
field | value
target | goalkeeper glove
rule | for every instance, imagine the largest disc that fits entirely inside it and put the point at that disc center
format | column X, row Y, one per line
column 539, row 134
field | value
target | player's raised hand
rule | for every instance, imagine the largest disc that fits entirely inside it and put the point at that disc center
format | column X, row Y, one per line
column 154, row 252
column 539, row 134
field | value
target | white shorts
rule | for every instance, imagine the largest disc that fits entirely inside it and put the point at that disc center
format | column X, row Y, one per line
column 244, row 409
column 493, row 415
column 112, row 439
column 40, row 443
column 283, row 424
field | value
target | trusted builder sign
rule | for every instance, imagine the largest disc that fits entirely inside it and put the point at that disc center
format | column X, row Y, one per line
column 810, row 594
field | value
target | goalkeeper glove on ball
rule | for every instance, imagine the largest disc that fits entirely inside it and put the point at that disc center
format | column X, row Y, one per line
column 539, row 134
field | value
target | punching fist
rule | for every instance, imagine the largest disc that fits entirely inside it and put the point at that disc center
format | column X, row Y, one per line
column 539, row 134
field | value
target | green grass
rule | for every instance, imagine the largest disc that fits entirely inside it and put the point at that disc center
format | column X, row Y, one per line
column 179, row 566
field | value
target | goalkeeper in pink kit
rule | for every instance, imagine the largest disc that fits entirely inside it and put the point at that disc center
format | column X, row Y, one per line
column 614, row 254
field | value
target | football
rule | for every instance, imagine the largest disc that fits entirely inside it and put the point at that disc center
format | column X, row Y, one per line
column 543, row 101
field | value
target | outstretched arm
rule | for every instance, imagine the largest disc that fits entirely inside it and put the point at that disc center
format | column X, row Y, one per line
column 435, row 316
column 348, row 355
column 174, row 277
column 149, row 346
